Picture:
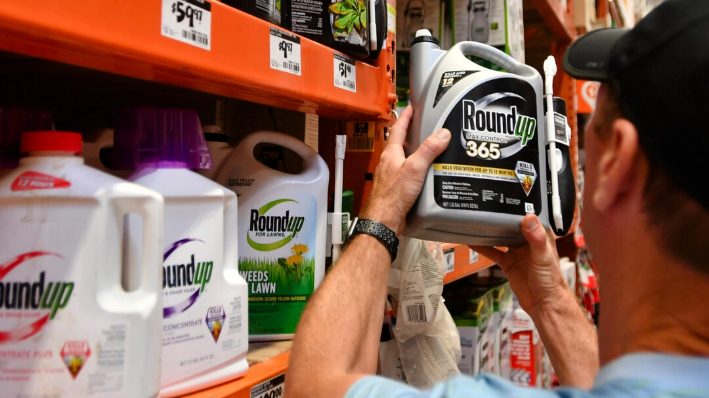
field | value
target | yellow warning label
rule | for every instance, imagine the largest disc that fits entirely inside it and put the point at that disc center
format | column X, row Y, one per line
column 459, row 168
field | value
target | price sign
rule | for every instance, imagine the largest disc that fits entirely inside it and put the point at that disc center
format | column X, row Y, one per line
column 345, row 72
column 188, row 21
column 449, row 259
column 285, row 51
column 271, row 388
column 474, row 257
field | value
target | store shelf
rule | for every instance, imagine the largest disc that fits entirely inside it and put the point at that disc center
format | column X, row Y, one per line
column 465, row 262
column 124, row 37
column 559, row 20
column 267, row 360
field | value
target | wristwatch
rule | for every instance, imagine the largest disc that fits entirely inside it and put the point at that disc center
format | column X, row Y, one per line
column 386, row 236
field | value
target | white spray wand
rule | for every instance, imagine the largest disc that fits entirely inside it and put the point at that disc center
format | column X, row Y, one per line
column 549, row 73
column 340, row 221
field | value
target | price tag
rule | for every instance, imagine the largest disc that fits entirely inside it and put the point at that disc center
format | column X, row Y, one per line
column 269, row 388
column 449, row 259
column 360, row 136
column 285, row 51
column 474, row 257
column 188, row 21
column 345, row 73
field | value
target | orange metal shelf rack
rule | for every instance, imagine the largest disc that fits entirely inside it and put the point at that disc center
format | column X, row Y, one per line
column 123, row 37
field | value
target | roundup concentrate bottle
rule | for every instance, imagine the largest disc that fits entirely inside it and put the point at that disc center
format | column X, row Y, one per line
column 494, row 171
column 282, row 227
column 68, row 328
column 204, row 298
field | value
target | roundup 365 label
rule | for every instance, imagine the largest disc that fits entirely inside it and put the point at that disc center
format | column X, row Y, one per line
column 492, row 163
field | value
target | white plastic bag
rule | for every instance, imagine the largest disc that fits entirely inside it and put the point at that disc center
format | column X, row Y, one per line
column 429, row 344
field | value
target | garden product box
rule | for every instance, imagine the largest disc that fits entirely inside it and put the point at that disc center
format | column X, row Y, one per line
column 525, row 351
column 412, row 15
column 471, row 308
column 498, row 23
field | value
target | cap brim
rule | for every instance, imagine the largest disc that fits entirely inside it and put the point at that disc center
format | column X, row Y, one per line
column 589, row 56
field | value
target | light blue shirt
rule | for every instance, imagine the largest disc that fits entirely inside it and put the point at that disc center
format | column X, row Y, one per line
column 635, row 375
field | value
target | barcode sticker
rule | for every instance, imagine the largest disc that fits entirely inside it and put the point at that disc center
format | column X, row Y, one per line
column 285, row 51
column 416, row 313
column 188, row 21
column 360, row 136
column 449, row 259
column 345, row 72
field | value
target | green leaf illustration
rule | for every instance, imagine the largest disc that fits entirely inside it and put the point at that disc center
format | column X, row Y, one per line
column 357, row 24
column 345, row 21
column 363, row 18
column 282, row 262
column 341, row 8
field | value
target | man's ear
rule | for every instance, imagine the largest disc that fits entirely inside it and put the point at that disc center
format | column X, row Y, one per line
column 618, row 171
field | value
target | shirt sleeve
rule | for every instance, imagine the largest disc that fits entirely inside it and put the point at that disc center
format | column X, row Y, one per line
column 483, row 386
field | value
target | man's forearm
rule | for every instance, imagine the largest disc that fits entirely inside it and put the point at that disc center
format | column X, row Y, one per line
column 339, row 331
column 569, row 339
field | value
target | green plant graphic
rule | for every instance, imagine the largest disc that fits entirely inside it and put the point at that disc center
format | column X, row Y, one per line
column 349, row 14
column 296, row 278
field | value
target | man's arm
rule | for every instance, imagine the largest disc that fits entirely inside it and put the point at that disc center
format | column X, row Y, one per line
column 337, row 340
column 535, row 277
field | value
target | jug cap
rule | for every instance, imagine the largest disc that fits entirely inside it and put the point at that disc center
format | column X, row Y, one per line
column 51, row 141
column 163, row 138
column 14, row 122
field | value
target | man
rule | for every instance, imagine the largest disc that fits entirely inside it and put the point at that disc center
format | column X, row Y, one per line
column 646, row 221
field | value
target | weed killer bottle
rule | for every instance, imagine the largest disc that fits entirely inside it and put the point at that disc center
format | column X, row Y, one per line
column 282, row 231
column 68, row 327
column 204, row 298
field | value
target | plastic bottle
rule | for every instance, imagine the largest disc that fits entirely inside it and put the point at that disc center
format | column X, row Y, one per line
column 204, row 298
column 13, row 122
column 72, row 328
column 282, row 232
column 493, row 172
column 219, row 150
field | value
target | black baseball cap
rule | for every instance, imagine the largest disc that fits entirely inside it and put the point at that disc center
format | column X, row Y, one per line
column 659, row 71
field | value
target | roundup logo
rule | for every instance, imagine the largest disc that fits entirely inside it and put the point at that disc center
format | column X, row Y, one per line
column 190, row 274
column 486, row 126
column 274, row 226
column 18, row 298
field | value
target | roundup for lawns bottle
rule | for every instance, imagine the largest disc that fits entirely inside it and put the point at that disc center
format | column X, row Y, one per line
column 68, row 327
column 494, row 171
column 282, row 227
column 204, row 298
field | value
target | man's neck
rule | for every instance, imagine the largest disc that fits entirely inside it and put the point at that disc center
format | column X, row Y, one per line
column 653, row 304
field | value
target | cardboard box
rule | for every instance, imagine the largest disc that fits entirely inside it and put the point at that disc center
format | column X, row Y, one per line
column 413, row 15
column 498, row 23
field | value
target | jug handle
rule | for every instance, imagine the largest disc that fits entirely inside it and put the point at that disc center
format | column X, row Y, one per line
column 286, row 141
column 150, row 208
column 497, row 57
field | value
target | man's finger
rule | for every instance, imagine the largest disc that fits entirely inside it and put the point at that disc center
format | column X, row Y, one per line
column 534, row 233
column 497, row 256
column 397, row 135
column 434, row 145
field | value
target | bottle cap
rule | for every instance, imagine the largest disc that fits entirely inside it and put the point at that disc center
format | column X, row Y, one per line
column 14, row 122
column 54, row 141
column 163, row 138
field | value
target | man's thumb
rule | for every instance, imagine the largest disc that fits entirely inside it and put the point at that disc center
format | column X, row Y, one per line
column 534, row 232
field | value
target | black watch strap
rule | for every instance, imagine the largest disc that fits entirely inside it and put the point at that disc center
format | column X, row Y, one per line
column 380, row 231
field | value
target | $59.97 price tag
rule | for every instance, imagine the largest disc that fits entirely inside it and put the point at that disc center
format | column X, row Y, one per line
column 345, row 72
column 188, row 21
column 285, row 51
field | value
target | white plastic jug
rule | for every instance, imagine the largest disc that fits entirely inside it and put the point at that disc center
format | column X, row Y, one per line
column 282, row 232
column 204, row 298
column 67, row 326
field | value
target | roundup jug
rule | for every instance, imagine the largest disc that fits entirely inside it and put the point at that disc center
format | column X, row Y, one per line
column 204, row 298
column 282, row 232
column 68, row 327
column 494, row 170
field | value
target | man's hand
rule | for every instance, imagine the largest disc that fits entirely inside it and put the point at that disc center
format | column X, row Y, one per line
column 398, row 179
column 535, row 277
column 533, row 268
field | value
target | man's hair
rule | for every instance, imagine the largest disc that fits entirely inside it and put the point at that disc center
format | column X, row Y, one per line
column 681, row 223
